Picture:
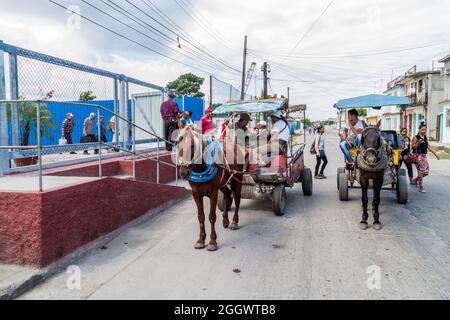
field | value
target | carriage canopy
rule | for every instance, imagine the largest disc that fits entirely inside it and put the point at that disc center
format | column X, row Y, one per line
column 260, row 106
column 375, row 101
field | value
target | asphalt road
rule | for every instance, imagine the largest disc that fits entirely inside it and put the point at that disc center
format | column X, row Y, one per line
column 316, row 251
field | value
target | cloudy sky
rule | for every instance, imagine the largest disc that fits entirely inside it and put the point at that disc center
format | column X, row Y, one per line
column 324, row 50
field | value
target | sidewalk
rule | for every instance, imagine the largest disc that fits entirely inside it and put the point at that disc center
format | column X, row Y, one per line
column 443, row 147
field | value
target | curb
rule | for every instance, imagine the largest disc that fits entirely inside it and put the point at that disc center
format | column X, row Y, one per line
column 40, row 275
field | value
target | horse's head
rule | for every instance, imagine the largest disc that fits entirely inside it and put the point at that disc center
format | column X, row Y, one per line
column 186, row 151
column 371, row 144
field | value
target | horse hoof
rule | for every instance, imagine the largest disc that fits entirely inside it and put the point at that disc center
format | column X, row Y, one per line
column 226, row 224
column 377, row 226
column 234, row 226
column 212, row 247
column 199, row 246
column 363, row 226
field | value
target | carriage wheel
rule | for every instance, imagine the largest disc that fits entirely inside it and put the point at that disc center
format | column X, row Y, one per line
column 339, row 171
column 343, row 186
column 279, row 200
column 402, row 190
column 220, row 201
column 307, row 182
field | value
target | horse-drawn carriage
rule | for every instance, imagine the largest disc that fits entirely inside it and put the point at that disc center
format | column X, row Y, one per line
column 391, row 144
column 281, row 170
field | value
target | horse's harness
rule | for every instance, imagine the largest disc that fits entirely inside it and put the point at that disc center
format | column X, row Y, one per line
column 212, row 167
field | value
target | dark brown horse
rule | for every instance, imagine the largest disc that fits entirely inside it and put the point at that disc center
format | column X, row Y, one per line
column 228, row 172
column 371, row 163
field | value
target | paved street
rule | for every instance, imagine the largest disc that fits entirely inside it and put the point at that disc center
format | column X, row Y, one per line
column 316, row 251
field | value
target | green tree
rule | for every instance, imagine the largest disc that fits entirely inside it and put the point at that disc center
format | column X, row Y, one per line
column 308, row 122
column 274, row 96
column 362, row 112
column 28, row 120
column 187, row 85
column 87, row 96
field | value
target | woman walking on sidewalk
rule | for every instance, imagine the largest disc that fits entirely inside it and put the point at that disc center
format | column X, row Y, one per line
column 320, row 153
column 421, row 147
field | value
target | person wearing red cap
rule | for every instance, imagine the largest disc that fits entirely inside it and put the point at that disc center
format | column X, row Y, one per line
column 67, row 129
column 206, row 122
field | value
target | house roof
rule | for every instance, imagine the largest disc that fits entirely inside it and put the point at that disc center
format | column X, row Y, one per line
column 416, row 75
column 445, row 59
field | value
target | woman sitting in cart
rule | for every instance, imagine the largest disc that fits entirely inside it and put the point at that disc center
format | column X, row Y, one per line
column 351, row 137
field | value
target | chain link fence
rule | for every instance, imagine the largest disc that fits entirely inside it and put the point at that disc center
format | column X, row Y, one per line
column 223, row 92
column 29, row 75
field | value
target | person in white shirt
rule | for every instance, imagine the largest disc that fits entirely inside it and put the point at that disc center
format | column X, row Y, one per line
column 280, row 130
column 352, row 134
column 320, row 153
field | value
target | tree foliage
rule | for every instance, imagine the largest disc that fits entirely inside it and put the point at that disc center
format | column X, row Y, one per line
column 28, row 120
column 362, row 112
column 187, row 85
column 87, row 96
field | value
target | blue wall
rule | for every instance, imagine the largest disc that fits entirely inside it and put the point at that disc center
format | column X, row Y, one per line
column 195, row 105
column 59, row 112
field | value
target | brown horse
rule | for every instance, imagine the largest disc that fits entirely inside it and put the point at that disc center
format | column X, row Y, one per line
column 227, row 173
column 371, row 163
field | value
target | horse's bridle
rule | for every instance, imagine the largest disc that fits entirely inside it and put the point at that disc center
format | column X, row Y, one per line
column 364, row 150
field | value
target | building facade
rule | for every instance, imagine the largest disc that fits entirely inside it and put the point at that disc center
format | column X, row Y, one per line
column 391, row 117
column 425, row 90
column 444, row 116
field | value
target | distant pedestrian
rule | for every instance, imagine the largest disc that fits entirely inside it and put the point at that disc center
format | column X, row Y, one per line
column 206, row 122
column 421, row 147
column 88, row 131
column 102, row 132
column 169, row 113
column 320, row 153
column 406, row 147
column 67, row 129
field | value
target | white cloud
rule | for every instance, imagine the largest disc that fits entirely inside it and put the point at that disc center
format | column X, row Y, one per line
column 273, row 28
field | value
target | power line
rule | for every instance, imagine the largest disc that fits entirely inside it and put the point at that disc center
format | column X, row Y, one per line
column 127, row 38
column 143, row 34
column 146, row 26
column 365, row 53
column 181, row 37
column 307, row 31
column 202, row 22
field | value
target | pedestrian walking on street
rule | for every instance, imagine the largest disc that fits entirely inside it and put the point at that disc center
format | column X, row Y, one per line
column 406, row 154
column 169, row 114
column 320, row 153
column 88, row 131
column 67, row 129
column 421, row 148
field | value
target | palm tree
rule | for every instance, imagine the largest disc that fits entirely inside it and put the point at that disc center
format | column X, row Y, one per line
column 28, row 120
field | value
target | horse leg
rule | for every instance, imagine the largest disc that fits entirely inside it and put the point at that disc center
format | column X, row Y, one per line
column 237, row 189
column 201, row 219
column 376, row 206
column 212, row 219
column 227, row 198
column 365, row 200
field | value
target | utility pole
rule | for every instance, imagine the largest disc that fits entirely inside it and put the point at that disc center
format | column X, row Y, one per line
column 244, row 69
column 210, row 91
column 288, row 95
column 265, row 77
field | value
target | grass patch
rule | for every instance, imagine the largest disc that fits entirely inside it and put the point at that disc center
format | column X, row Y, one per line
column 442, row 156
